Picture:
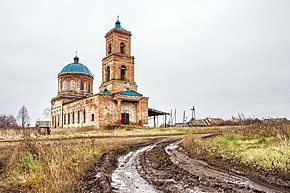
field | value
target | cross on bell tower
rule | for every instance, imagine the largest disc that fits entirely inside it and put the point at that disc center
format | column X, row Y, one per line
column 118, row 64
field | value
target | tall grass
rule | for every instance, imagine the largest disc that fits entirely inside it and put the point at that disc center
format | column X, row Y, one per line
column 259, row 146
column 54, row 167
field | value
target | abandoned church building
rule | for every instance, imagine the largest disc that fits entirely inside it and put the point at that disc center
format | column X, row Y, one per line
column 117, row 102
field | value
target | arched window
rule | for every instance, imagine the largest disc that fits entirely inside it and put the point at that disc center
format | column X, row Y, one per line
column 64, row 85
column 89, row 87
column 68, row 118
column 110, row 48
column 73, row 117
column 78, row 116
column 123, row 72
column 122, row 48
column 64, row 119
column 72, row 85
column 84, row 116
column 82, row 86
column 108, row 73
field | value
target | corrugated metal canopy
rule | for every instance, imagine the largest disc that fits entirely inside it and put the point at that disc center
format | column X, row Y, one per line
column 154, row 112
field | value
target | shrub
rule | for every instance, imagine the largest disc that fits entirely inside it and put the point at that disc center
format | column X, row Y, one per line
column 27, row 163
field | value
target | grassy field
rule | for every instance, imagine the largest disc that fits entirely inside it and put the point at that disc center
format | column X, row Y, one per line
column 265, row 148
column 53, row 167
column 90, row 132
column 54, row 163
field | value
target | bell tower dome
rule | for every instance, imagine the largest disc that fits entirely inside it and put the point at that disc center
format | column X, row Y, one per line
column 118, row 64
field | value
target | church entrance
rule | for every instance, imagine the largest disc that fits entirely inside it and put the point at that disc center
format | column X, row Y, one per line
column 125, row 119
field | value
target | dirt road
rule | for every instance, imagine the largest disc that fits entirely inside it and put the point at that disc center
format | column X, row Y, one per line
column 165, row 167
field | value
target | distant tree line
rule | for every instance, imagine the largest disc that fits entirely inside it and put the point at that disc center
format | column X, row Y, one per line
column 9, row 121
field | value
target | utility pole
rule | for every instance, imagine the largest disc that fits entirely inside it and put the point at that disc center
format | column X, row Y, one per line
column 174, row 116
column 183, row 119
column 170, row 120
column 193, row 114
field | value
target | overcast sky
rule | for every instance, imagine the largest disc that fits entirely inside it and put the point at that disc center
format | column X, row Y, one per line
column 223, row 56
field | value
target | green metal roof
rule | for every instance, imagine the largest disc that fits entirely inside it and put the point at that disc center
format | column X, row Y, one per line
column 76, row 67
column 118, row 25
column 131, row 92
column 106, row 92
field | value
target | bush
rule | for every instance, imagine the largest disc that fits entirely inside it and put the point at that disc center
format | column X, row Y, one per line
column 27, row 163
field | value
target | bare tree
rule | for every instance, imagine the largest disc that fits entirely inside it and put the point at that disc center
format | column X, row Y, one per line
column 23, row 116
column 2, row 121
column 11, row 121
column 7, row 121
column 46, row 113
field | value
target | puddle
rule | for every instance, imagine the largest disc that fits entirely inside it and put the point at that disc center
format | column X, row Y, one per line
column 126, row 177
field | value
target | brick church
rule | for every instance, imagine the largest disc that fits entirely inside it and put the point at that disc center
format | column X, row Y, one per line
column 117, row 102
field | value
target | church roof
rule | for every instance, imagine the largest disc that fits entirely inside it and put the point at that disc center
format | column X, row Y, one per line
column 126, row 92
column 106, row 92
column 118, row 25
column 130, row 92
column 76, row 67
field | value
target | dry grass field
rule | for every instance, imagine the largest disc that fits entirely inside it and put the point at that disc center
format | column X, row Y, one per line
column 264, row 147
column 55, row 166
column 54, row 163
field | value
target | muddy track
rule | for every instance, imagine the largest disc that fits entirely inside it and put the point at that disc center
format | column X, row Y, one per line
column 99, row 178
column 168, row 167
column 164, row 166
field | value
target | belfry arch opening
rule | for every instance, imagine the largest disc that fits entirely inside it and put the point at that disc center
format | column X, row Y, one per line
column 110, row 48
column 122, row 48
column 123, row 72
column 108, row 73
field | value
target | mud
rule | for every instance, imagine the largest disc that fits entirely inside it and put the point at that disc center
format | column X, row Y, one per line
column 164, row 166
column 99, row 177
column 126, row 177
column 169, row 169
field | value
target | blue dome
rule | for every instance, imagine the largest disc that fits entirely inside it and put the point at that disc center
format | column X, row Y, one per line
column 76, row 67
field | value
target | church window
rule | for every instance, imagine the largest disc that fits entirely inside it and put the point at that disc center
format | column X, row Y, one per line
column 110, row 48
column 64, row 85
column 108, row 73
column 72, row 85
column 53, row 121
column 73, row 117
column 78, row 116
column 89, row 87
column 84, row 116
column 93, row 117
column 123, row 72
column 82, row 85
column 64, row 119
column 68, row 118
column 122, row 48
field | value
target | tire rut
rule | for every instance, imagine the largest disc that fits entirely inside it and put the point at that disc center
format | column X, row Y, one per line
column 169, row 169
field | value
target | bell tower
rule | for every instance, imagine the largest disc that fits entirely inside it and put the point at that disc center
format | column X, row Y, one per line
column 118, row 64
